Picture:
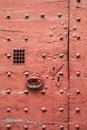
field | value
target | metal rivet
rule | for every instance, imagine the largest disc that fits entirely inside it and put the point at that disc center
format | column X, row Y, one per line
column 26, row 16
column 61, row 91
column 8, row 55
column 8, row 74
column 43, row 127
column 8, row 16
column 65, row 26
column 78, row 19
column 8, row 126
column 25, row 109
column 61, row 127
column 26, row 127
column 61, row 73
column 77, row 110
column 77, row 127
column 78, row 37
column 59, row 15
column 61, row 38
column 43, row 109
column 78, row 73
column 26, row 91
column 8, row 91
column 8, row 109
column 78, row 1
column 77, row 55
column 61, row 109
column 26, row 73
column 74, row 28
column 43, row 55
column 42, row 15
column 77, row 91
column 43, row 92
column 26, row 38
column 61, row 55
column 8, row 38
column 50, row 34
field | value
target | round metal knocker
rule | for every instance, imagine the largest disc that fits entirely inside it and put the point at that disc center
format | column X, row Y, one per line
column 34, row 83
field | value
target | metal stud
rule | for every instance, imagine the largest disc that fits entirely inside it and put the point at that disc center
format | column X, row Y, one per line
column 61, row 73
column 78, row 74
column 42, row 15
column 77, row 127
column 26, row 73
column 77, row 110
column 77, row 91
column 26, row 38
column 8, row 126
column 26, row 16
column 8, row 56
column 8, row 16
column 61, row 127
column 61, row 109
column 78, row 19
column 65, row 26
column 43, row 127
column 77, row 55
column 8, row 38
column 26, row 127
column 9, row 74
column 61, row 55
column 8, row 109
column 61, row 38
column 26, row 91
column 8, row 91
column 61, row 91
column 78, row 37
column 43, row 109
column 78, row 1
column 26, row 109
column 43, row 92
column 43, row 55
column 59, row 15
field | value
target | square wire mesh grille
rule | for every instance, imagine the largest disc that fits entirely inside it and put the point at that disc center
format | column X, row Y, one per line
column 19, row 56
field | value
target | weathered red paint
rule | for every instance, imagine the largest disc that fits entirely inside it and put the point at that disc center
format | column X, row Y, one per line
column 46, row 30
column 40, row 27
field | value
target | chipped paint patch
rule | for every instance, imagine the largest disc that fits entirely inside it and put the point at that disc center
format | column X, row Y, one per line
column 11, row 120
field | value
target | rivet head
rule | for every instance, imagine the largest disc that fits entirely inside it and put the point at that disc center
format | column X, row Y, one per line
column 77, row 55
column 61, row 38
column 26, row 16
column 77, row 91
column 8, row 16
column 61, row 109
column 26, row 109
column 26, row 38
column 8, row 91
column 78, row 19
column 61, row 55
column 77, row 127
column 77, row 110
column 8, row 38
column 78, row 37
column 61, row 127
column 8, row 74
column 59, row 14
column 78, row 74
column 8, row 56
column 43, row 109
column 50, row 34
column 65, row 26
column 43, row 92
column 78, row 1
column 61, row 91
column 43, row 55
column 42, row 15
column 26, row 91
column 8, row 126
column 26, row 127
column 26, row 73
column 74, row 27
column 8, row 109
column 43, row 127
column 61, row 73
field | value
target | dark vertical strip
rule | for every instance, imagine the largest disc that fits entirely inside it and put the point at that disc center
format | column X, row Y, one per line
column 68, row 60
